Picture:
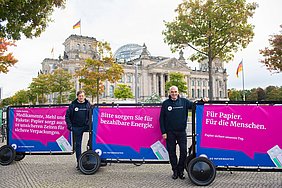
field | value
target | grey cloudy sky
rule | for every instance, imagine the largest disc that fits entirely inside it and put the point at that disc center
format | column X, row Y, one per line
column 136, row 21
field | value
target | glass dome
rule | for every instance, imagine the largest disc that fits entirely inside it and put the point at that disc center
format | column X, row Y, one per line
column 128, row 52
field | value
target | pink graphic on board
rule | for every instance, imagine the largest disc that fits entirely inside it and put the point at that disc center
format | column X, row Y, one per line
column 133, row 127
column 248, row 128
column 39, row 124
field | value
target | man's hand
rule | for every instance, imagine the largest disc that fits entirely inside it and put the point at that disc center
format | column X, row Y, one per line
column 205, row 99
column 69, row 128
column 164, row 136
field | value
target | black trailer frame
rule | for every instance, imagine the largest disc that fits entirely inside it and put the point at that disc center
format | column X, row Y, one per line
column 8, row 153
column 201, row 170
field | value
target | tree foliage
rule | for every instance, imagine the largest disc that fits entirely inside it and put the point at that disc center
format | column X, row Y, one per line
column 270, row 93
column 273, row 55
column 6, row 60
column 123, row 91
column 20, row 97
column 6, row 102
column 234, row 95
column 213, row 28
column 176, row 79
column 154, row 98
column 61, row 81
column 273, row 93
column 27, row 17
column 97, row 70
column 41, row 86
column 72, row 95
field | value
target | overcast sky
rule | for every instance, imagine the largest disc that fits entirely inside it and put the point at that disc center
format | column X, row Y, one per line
column 136, row 21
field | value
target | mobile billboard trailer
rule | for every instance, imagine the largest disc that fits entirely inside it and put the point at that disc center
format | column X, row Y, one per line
column 124, row 133
column 36, row 130
column 234, row 136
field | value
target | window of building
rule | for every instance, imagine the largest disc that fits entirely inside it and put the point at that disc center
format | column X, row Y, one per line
column 198, row 93
column 193, row 83
column 220, row 94
column 204, row 83
column 103, row 95
column 204, row 93
column 121, row 79
column 199, row 83
column 193, row 93
column 111, row 91
column 129, row 78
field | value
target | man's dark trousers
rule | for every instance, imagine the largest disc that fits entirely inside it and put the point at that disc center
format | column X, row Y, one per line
column 78, row 133
column 180, row 138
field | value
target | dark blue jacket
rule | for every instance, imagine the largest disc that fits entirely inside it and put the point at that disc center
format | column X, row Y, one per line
column 174, row 114
column 78, row 114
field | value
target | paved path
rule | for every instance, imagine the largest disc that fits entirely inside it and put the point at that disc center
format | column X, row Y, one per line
column 59, row 171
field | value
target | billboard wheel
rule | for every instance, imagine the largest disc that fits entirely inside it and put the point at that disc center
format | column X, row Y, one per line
column 89, row 162
column 138, row 164
column 201, row 171
column 7, row 155
column 187, row 161
column 19, row 156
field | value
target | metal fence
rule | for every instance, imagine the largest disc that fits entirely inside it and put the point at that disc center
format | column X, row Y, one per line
column 3, row 125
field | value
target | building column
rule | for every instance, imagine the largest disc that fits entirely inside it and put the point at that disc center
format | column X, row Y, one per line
column 162, row 85
column 187, row 84
column 154, row 83
column 225, row 89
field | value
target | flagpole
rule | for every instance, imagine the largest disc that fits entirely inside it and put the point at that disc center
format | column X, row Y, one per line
column 244, row 96
column 80, row 27
column 52, row 52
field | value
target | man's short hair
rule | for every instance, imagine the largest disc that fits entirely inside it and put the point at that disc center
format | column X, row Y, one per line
column 79, row 92
column 171, row 87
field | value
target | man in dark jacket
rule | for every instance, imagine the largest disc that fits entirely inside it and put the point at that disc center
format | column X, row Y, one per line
column 173, row 122
column 78, row 119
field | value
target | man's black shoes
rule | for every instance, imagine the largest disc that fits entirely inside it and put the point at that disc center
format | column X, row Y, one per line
column 181, row 175
column 174, row 175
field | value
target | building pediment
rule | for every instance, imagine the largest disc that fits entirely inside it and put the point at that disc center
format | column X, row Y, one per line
column 170, row 64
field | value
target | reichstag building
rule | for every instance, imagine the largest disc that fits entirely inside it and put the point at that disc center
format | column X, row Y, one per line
column 151, row 72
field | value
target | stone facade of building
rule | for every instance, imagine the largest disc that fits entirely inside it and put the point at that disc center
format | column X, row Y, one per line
column 153, row 72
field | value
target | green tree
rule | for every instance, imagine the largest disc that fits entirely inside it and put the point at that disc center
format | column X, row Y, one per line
column 72, row 95
column 273, row 55
column 154, row 98
column 96, row 71
column 6, row 60
column 213, row 28
column 25, row 17
column 252, row 95
column 61, row 82
column 7, row 101
column 21, row 97
column 123, row 91
column 32, row 97
column 234, row 95
column 41, row 86
column 273, row 93
column 261, row 94
column 176, row 79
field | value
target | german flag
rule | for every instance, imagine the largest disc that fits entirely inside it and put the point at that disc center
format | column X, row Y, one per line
column 77, row 25
column 239, row 68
